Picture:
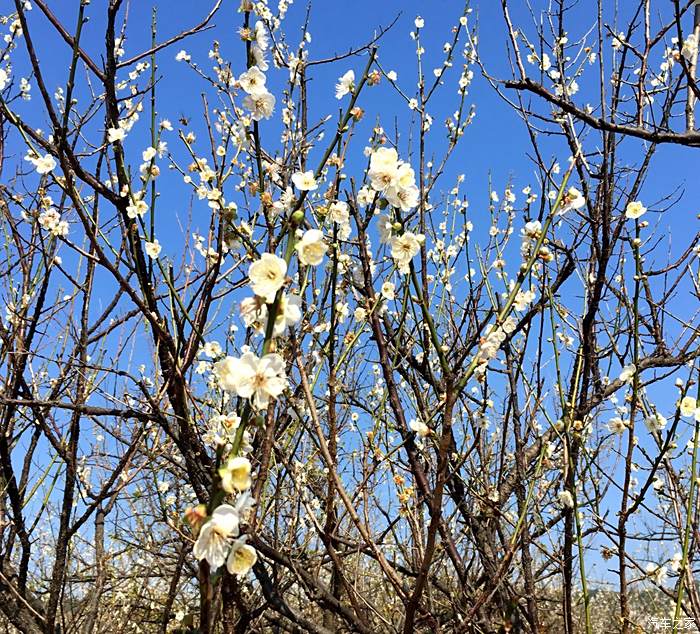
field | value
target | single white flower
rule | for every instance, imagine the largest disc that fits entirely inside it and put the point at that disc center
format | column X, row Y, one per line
column 311, row 248
column 261, row 105
column 153, row 249
column 566, row 499
column 212, row 349
column 183, row 56
column 235, row 474
column 253, row 81
column 419, row 22
column 338, row 212
column 655, row 422
column 404, row 248
column 388, row 290
column 616, row 425
column 288, row 314
column 215, row 536
column 635, row 210
column 419, row 427
column 573, row 199
column 267, row 275
column 345, row 85
column 4, row 78
column 688, row 406
column 241, row 558
column 116, row 134
column 148, row 154
column 628, row 373
column 304, row 181
column 690, row 48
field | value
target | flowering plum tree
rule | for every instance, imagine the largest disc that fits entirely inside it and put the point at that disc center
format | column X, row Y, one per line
column 271, row 362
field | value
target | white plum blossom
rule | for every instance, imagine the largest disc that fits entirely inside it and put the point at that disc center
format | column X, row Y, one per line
column 655, row 422
column 249, row 376
column 50, row 219
column 628, row 373
column 345, row 85
column 338, row 212
column 153, row 249
column 304, row 181
column 573, row 199
column 616, row 425
column 235, row 474
column 4, row 78
column 635, row 210
column 388, row 291
column 311, row 248
column 215, row 536
column 419, row 427
column 241, row 558
column 404, row 248
column 383, row 168
column 267, row 275
column 116, row 134
column 260, row 104
column 253, row 81
column 42, row 164
column 566, row 499
column 688, row 406
column 690, row 48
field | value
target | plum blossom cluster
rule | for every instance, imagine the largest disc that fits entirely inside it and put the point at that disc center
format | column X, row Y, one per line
column 490, row 344
column 50, row 219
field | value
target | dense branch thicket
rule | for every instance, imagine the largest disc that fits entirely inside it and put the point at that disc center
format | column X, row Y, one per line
column 270, row 369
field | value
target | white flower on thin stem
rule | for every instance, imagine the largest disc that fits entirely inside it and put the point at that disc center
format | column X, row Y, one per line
column 261, row 105
column 655, row 422
column 116, row 134
column 311, row 248
column 267, row 275
column 688, row 406
column 153, row 249
column 251, row 377
column 573, row 199
column 388, row 290
column 241, row 558
column 383, row 168
column 406, row 198
column 253, row 81
column 628, row 373
column 183, row 56
column 345, row 85
column 42, row 164
column 566, row 499
column 419, row 427
column 4, row 78
column 289, row 313
column 690, row 48
column 137, row 208
column 215, row 536
column 617, row 425
column 635, row 210
column 304, row 181
column 338, row 212
column 404, row 248
column 235, row 475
